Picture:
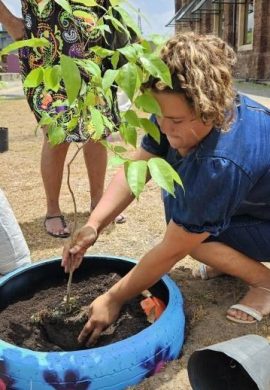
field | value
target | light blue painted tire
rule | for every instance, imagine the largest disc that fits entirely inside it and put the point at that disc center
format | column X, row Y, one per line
column 113, row 367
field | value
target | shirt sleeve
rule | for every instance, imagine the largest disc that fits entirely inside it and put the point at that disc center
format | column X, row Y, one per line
column 150, row 145
column 213, row 191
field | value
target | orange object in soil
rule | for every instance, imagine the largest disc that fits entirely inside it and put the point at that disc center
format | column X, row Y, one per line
column 152, row 306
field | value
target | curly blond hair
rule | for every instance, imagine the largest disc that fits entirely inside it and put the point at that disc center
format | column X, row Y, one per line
column 201, row 68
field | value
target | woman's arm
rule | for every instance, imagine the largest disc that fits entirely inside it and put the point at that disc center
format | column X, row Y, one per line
column 116, row 198
column 13, row 25
column 176, row 244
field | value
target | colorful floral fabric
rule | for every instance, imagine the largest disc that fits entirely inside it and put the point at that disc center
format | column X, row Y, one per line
column 69, row 35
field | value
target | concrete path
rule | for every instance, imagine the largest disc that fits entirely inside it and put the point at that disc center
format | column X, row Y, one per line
column 12, row 90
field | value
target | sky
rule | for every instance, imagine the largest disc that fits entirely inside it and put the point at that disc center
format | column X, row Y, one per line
column 157, row 13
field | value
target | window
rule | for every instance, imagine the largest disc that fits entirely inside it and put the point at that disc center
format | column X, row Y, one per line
column 248, row 23
column 219, row 20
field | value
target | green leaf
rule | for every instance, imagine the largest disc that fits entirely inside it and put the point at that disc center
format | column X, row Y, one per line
column 127, row 79
column 131, row 136
column 83, row 15
column 102, row 52
column 116, row 161
column 65, row 5
column 129, row 52
column 56, row 135
column 117, row 24
column 163, row 174
column 91, row 99
column 34, row 78
column 97, row 122
column 148, row 103
column 33, row 42
column 71, row 76
column 115, row 2
column 102, row 28
column 151, row 129
column 157, row 68
column 108, row 78
column 52, row 78
column 119, row 149
column 115, row 59
column 73, row 123
column 128, row 20
column 136, row 172
column 45, row 120
column 87, row 3
column 132, row 118
column 91, row 67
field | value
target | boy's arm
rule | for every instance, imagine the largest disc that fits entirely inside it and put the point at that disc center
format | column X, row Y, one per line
column 13, row 25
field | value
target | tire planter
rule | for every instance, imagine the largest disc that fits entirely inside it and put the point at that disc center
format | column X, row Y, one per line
column 113, row 367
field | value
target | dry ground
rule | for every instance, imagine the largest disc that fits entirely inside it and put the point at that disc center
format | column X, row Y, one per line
column 205, row 301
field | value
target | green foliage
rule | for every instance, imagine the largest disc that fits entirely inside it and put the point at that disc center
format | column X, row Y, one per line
column 65, row 5
column 163, row 174
column 136, row 172
column 71, row 77
column 34, row 78
column 129, row 63
column 33, row 42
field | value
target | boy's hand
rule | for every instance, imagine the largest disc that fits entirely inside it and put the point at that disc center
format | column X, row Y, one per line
column 103, row 311
column 75, row 249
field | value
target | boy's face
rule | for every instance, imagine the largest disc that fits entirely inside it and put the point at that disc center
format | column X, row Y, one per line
column 178, row 122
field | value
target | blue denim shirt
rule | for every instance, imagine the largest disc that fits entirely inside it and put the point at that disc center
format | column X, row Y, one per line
column 228, row 174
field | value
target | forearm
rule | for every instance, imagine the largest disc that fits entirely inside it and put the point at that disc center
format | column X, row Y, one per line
column 116, row 198
column 145, row 274
column 176, row 244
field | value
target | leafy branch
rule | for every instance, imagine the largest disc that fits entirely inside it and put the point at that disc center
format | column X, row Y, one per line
column 128, row 66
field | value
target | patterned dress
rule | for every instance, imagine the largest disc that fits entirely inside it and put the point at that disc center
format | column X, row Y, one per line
column 69, row 35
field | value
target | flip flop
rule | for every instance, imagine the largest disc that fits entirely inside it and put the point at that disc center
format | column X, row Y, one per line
column 64, row 224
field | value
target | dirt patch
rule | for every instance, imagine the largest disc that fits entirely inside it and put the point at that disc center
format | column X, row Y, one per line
column 41, row 322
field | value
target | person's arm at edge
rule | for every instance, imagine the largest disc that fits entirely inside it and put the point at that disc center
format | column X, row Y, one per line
column 176, row 244
column 13, row 25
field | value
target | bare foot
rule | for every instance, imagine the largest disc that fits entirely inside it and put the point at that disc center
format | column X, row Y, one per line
column 56, row 226
column 257, row 298
column 205, row 272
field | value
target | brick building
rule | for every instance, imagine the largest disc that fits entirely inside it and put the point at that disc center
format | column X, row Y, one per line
column 10, row 62
column 244, row 24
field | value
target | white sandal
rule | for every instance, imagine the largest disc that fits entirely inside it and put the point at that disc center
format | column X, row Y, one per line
column 200, row 272
column 248, row 310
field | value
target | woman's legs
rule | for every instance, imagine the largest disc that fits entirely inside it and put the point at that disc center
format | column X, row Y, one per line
column 52, row 166
column 95, row 157
column 232, row 262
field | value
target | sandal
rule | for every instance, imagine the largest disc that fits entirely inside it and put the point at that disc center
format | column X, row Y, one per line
column 248, row 310
column 120, row 219
column 64, row 224
column 202, row 273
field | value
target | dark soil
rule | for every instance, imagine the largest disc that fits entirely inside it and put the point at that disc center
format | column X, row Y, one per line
column 37, row 322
